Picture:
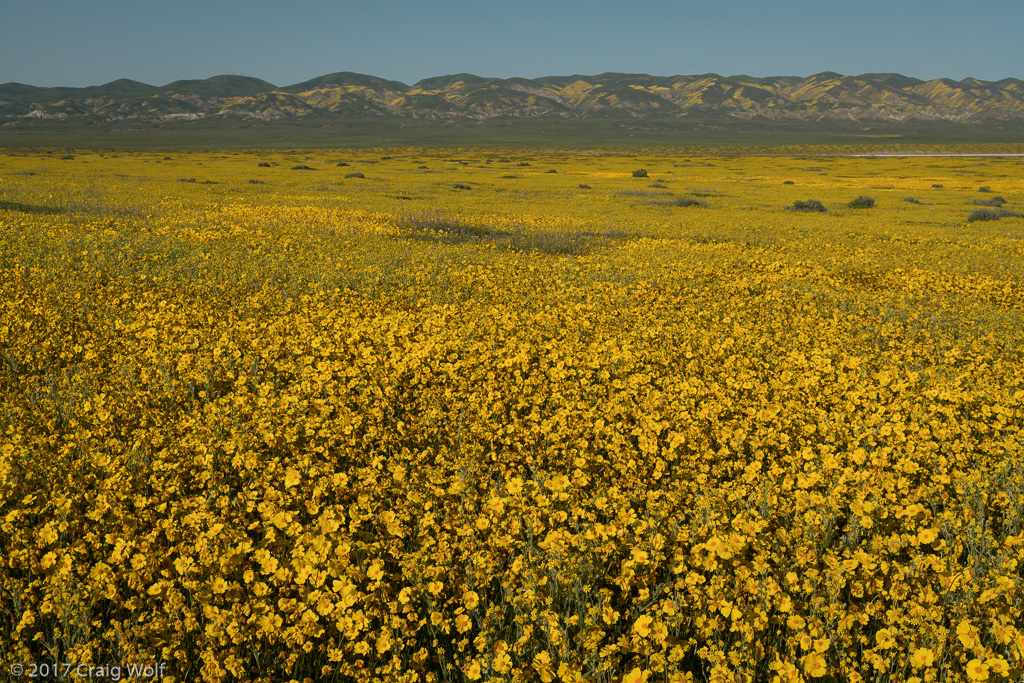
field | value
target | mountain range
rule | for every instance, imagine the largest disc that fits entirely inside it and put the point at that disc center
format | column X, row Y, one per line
column 825, row 96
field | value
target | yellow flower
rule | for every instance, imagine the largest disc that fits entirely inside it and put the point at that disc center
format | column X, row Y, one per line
column 47, row 534
column 636, row 676
column 472, row 670
column 463, row 623
column 977, row 670
column 502, row 662
column 374, row 573
column 967, row 634
column 884, row 639
column 219, row 585
column 470, row 599
column 814, row 665
column 927, row 536
column 542, row 664
column 796, row 622
column 281, row 519
column 434, row 587
column 719, row 547
column 48, row 560
column 999, row 665
column 269, row 623
column 642, row 626
column 922, row 657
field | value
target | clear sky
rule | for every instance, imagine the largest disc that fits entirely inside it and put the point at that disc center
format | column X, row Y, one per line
column 79, row 43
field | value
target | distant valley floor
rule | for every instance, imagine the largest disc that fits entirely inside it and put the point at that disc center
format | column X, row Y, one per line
column 721, row 133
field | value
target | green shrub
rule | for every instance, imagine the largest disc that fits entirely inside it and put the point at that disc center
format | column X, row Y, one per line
column 991, row 215
column 862, row 202
column 994, row 201
column 640, row 173
column 808, row 205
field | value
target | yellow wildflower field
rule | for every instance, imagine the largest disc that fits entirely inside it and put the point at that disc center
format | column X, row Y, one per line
column 511, row 415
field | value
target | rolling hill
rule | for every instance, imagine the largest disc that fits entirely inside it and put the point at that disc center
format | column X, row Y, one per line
column 827, row 96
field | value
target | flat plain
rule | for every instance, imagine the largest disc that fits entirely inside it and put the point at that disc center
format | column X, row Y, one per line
column 513, row 414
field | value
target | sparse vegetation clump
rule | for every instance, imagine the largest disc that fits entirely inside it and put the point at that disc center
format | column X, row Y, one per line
column 991, row 215
column 994, row 201
column 355, row 174
column 452, row 229
column 808, row 205
column 862, row 202
column 640, row 173
column 439, row 224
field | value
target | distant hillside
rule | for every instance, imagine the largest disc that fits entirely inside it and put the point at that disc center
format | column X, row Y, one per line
column 882, row 97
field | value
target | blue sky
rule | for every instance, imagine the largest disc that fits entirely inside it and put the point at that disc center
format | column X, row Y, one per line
column 76, row 43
